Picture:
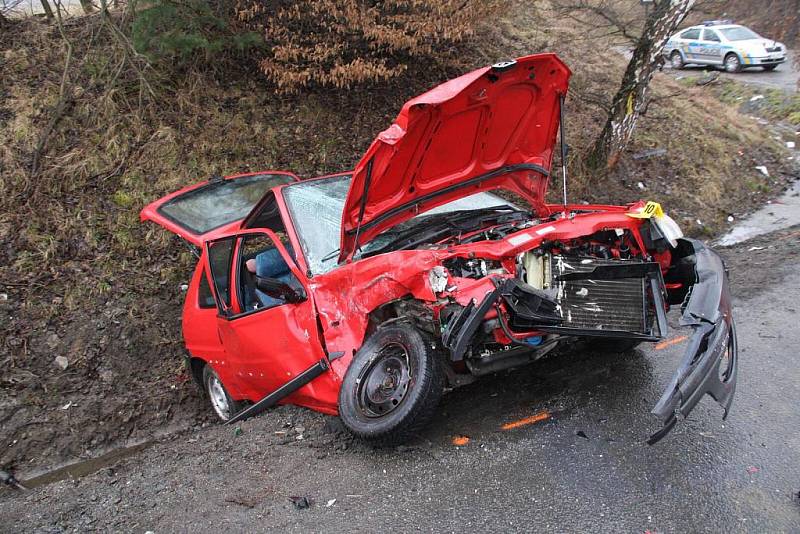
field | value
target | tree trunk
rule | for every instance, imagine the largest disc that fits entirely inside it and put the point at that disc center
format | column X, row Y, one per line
column 48, row 11
column 632, row 96
column 87, row 5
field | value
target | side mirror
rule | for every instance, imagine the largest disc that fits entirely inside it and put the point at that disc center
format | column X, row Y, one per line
column 280, row 290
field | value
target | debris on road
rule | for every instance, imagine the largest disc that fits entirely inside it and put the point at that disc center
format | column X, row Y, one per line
column 790, row 144
column 460, row 441
column 752, row 470
column 247, row 503
column 544, row 415
column 670, row 342
column 763, row 170
column 330, row 503
column 301, row 503
column 581, row 434
column 9, row 480
column 61, row 362
column 756, row 98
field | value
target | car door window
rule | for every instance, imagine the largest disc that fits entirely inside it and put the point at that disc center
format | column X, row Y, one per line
column 710, row 35
column 220, row 260
column 259, row 257
column 691, row 34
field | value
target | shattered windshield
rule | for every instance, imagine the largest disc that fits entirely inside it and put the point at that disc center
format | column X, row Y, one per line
column 316, row 209
column 739, row 33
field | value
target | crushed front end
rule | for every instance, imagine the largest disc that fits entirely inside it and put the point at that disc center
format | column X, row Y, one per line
column 617, row 284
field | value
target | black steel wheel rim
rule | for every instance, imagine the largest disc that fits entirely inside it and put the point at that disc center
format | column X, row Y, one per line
column 385, row 382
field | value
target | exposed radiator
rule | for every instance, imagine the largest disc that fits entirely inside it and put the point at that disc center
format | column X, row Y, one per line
column 600, row 304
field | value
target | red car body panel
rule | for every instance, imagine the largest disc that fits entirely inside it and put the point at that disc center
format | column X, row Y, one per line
column 448, row 138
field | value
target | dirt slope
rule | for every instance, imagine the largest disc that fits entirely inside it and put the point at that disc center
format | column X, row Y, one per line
column 83, row 279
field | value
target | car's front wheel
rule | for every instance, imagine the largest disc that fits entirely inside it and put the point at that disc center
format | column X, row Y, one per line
column 676, row 60
column 732, row 63
column 392, row 387
column 770, row 68
column 224, row 406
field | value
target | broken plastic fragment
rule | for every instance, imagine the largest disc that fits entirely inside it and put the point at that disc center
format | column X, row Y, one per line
column 544, row 415
column 460, row 441
column 301, row 503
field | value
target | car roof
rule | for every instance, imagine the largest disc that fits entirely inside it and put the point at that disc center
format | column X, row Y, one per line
column 713, row 26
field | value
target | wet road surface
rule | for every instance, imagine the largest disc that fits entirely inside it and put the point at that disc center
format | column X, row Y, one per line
column 586, row 468
column 785, row 77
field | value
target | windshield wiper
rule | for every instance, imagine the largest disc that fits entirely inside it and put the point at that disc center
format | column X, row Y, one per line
column 330, row 255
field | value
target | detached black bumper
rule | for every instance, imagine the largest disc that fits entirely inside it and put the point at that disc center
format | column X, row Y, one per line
column 709, row 364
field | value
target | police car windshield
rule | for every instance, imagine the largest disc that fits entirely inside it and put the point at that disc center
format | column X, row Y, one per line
column 739, row 33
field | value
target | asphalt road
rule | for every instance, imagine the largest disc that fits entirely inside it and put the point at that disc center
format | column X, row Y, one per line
column 784, row 77
column 586, row 468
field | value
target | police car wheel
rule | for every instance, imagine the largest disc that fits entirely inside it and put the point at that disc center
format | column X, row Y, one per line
column 770, row 68
column 676, row 60
column 732, row 63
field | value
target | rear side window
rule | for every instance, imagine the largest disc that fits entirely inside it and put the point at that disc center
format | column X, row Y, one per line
column 219, row 202
column 204, row 297
column 694, row 33
column 710, row 35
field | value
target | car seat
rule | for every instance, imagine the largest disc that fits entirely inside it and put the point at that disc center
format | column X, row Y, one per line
column 270, row 264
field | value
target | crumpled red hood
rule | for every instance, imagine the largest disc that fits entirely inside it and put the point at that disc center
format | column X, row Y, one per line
column 493, row 128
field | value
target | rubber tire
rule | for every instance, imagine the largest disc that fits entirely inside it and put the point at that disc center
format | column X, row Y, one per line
column 725, row 62
column 770, row 68
column 419, row 404
column 613, row 345
column 672, row 58
column 236, row 406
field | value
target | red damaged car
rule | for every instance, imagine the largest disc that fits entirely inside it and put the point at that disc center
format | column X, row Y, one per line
column 366, row 294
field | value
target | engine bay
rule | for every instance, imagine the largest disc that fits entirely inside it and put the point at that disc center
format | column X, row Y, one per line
column 601, row 285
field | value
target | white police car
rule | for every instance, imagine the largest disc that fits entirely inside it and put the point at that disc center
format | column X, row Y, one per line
column 718, row 42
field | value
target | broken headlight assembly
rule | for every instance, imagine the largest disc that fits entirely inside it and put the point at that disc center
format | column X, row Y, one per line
column 668, row 228
column 438, row 278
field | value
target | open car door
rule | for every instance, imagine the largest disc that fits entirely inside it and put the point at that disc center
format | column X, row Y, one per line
column 212, row 208
column 266, row 322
